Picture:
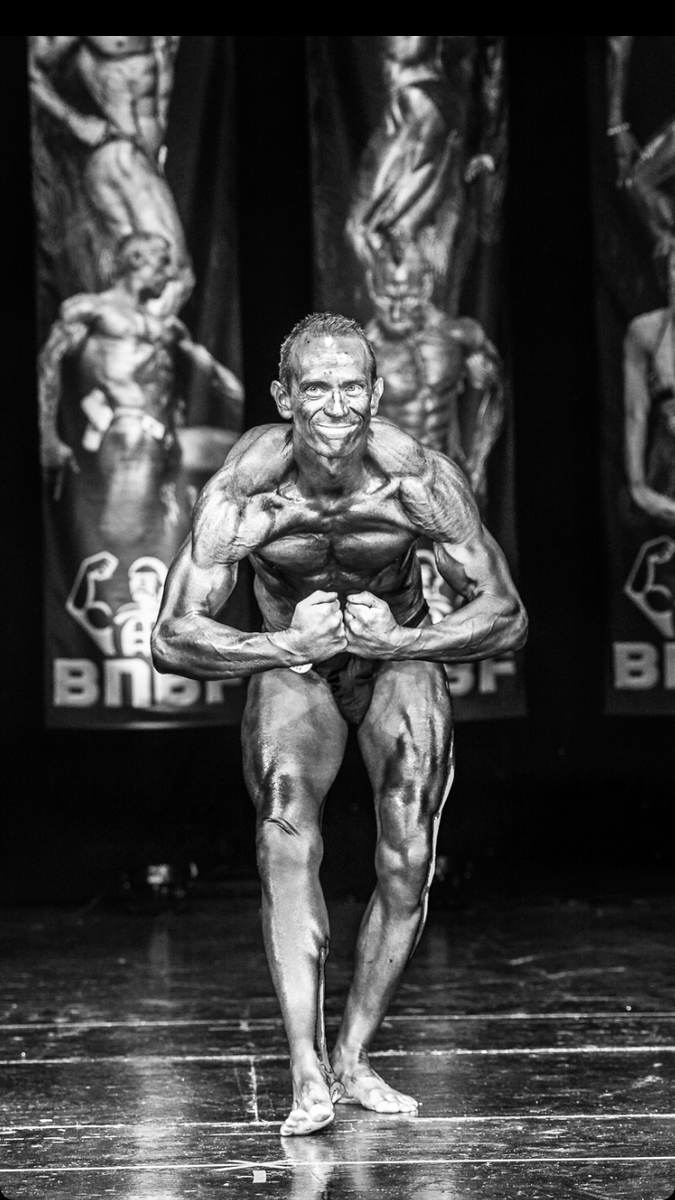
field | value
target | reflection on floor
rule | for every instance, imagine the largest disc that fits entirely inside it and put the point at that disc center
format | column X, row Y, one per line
column 142, row 1058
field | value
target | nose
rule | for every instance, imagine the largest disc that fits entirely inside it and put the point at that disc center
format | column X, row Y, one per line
column 335, row 405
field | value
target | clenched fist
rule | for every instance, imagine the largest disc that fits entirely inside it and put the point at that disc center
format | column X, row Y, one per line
column 317, row 630
column 372, row 630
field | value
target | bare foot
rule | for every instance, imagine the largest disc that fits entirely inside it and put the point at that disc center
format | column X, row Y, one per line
column 312, row 1110
column 364, row 1086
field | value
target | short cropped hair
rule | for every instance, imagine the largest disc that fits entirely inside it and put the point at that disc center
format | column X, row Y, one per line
column 324, row 324
column 131, row 250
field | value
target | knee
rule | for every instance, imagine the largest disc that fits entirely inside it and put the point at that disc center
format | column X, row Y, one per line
column 403, row 866
column 284, row 847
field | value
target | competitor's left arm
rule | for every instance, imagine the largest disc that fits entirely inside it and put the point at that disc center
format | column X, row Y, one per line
column 492, row 619
column 228, row 387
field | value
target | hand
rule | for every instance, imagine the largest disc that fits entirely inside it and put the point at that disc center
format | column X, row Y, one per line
column 480, row 164
column 231, row 387
column 92, row 131
column 317, row 631
column 480, row 370
column 57, row 458
column 372, row 630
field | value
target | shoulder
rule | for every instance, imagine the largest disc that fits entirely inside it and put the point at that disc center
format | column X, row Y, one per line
column 469, row 332
column 392, row 449
column 229, row 516
column 84, row 307
column 433, row 491
column 256, row 464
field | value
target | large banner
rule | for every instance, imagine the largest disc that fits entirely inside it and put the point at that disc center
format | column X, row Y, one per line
column 632, row 104
column 409, row 148
column 140, row 396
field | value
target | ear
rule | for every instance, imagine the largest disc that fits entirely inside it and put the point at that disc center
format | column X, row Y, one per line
column 376, row 394
column 281, row 399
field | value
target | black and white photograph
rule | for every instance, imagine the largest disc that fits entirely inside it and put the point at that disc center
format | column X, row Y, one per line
column 339, row 655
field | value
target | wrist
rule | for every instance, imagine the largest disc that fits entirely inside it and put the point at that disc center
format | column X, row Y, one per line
column 404, row 642
column 286, row 642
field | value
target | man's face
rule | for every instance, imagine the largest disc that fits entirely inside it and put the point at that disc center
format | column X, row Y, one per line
column 400, row 299
column 145, row 587
column 331, row 399
column 154, row 269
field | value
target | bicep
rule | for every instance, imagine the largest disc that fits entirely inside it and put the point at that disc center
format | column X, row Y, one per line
column 194, row 589
column 474, row 566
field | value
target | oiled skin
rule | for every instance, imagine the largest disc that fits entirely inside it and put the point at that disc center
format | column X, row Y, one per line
column 328, row 513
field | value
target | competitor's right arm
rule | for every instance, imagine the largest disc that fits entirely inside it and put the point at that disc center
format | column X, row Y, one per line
column 189, row 640
column 66, row 336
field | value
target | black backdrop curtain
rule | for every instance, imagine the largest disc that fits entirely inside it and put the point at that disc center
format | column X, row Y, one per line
column 565, row 785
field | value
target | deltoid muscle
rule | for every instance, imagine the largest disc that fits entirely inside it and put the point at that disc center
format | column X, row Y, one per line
column 419, row 203
column 99, row 126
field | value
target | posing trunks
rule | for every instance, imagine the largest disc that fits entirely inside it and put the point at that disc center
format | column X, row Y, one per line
column 352, row 679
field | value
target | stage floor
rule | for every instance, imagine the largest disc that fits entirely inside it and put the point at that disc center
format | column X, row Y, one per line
column 142, row 1058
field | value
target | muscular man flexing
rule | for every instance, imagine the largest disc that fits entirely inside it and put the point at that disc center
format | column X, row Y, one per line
column 125, row 362
column 328, row 512
column 433, row 366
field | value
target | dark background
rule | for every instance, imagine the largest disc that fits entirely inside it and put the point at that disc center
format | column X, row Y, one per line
column 564, row 800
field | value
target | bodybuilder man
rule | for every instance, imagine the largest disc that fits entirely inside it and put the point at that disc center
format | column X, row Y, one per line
column 328, row 512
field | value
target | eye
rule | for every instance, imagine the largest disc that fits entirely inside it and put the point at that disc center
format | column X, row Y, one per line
column 354, row 389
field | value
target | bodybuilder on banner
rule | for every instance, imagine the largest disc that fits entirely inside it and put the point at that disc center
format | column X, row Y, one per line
column 126, row 363
column 328, row 513
column 433, row 364
column 108, row 96
column 416, row 180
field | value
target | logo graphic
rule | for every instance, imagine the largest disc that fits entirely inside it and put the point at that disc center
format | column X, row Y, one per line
column 651, row 584
column 126, row 629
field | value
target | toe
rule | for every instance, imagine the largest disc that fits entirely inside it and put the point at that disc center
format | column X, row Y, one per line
column 299, row 1122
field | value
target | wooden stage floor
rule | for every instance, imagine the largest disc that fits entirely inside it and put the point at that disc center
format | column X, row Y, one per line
column 142, row 1058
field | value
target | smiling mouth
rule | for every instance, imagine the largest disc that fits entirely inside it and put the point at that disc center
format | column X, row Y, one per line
column 335, row 428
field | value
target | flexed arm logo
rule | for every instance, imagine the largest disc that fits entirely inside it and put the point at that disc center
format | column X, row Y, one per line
column 93, row 614
column 645, row 586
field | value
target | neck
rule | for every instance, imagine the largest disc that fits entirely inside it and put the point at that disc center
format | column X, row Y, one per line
column 319, row 474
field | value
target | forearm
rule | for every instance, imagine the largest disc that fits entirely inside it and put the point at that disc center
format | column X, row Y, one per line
column 484, row 627
column 201, row 648
column 617, row 67
column 636, row 445
column 49, row 395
